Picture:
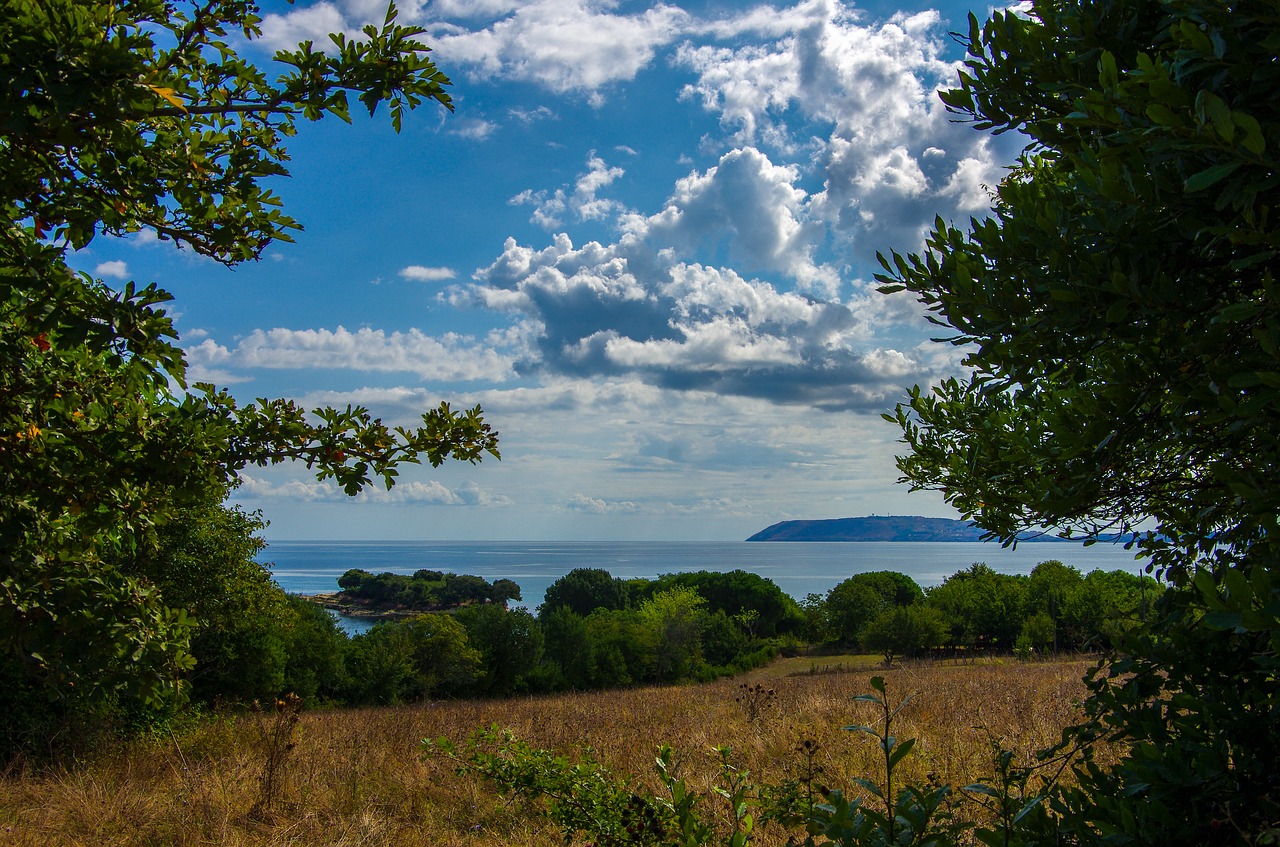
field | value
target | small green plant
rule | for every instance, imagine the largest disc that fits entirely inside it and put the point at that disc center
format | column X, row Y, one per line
column 581, row 797
column 1010, row 801
column 584, row 798
column 791, row 802
column 914, row 816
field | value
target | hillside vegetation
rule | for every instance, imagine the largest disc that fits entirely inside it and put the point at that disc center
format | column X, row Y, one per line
column 359, row 776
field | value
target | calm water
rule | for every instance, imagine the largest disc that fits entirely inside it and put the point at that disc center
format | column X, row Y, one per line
column 798, row 568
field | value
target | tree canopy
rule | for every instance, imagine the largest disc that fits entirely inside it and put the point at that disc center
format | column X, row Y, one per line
column 1121, row 323
column 858, row 600
column 583, row 590
column 119, row 117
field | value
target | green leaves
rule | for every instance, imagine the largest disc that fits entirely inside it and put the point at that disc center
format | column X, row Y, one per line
column 1121, row 311
column 121, row 117
column 1211, row 176
column 160, row 125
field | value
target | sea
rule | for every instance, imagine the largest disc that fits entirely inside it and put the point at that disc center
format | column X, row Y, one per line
column 798, row 568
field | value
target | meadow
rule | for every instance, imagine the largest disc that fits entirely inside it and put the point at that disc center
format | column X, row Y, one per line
column 341, row 778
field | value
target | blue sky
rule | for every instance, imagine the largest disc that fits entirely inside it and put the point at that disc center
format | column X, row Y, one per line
column 644, row 242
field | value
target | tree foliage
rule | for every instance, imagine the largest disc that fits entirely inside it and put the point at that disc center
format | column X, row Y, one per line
column 904, row 631
column 583, row 590
column 424, row 590
column 858, row 600
column 203, row 562
column 740, row 592
column 120, row 117
column 1121, row 321
column 983, row 608
column 424, row 656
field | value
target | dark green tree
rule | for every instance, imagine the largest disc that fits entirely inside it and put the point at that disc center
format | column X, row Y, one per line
column 420, row 657
column 204, row 562
column 1052, row 591
column 314, row 647
column 118, row 117
column 724, row 639
column 737, row 592
column 569, row 647
column 504, row 591
column 983, row 608
column 813, row 614
column 459, row 589
column 904, row 631
column 583, row 590
column 858, row 600
column 619, row 655
column 1122, row 328
column 510, row 645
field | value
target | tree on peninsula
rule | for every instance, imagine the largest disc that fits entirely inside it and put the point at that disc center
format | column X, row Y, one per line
column 1122, row 327
column 120, row 117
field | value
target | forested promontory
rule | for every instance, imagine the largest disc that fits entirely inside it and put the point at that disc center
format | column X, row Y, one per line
column 871, row 528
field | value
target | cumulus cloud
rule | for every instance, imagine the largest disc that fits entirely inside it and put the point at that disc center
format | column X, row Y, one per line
column 738, row 285
column 115, row 269
column 749, row 206
column 627, row 310
column 566, row 45
column 582, row 200
column 832, row 144
column 447, row 357
column 419, row 273
column 890, row 157
column 311, row 23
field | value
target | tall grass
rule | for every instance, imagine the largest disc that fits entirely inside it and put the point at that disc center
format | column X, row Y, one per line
column 358, row 777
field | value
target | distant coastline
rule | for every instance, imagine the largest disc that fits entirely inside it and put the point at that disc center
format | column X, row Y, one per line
column 896, row 528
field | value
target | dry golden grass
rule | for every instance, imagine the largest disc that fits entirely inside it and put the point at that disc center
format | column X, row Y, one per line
column 357, row 777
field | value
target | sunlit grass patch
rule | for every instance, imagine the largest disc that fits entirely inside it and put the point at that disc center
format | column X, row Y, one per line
column 358, row 776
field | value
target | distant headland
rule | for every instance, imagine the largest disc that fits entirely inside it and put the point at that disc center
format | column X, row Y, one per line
column 878, row 528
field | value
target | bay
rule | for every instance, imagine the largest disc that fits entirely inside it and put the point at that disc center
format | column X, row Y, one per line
column 798, row 568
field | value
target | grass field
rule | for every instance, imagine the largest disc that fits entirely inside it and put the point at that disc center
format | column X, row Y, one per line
column 358, row 777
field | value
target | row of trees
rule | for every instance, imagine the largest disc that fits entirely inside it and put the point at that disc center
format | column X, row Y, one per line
column 249, row 640
column 422, row 590
column 596, row 631
column 592, row 631
column 1054, row 608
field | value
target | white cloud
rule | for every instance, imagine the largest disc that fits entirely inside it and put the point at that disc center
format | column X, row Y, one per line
column 308, row 23
column 748, row 204
column 624, row 309
column 889, row 155
column 115, row 269
column 430, row 493
column 550, row 209
column 447, row 357
column 477, row 129
column 207, row 361
column 564, row 45
column 599, row 506
column 419, row 273
column 738, row 285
